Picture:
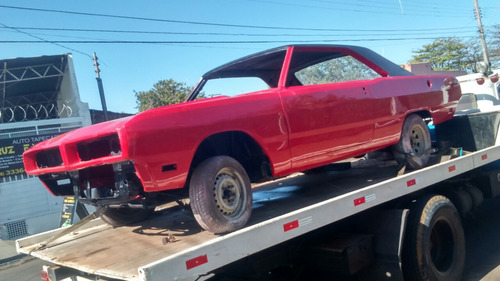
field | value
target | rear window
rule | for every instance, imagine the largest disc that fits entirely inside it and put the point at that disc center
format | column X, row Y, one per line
column 340, row 69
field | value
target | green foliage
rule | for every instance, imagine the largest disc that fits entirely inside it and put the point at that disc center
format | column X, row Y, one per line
column 447, row 54
column 494, row 46
column 164, row 92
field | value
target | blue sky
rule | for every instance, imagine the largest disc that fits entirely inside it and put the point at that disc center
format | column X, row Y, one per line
column 184, row 39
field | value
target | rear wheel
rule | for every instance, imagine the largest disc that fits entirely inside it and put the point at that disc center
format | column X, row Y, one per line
column 415, row 143
column 434, row 245
column 220, row 195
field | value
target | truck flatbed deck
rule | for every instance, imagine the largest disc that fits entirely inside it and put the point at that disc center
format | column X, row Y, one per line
column 171, row 246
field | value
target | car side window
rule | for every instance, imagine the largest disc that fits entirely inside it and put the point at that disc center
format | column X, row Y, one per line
column 338, row 69
column 232, row 86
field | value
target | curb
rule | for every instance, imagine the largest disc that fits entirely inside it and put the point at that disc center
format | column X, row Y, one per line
column 13, row 258
column 15, row 261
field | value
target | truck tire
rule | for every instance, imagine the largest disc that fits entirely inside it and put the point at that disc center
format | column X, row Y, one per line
column 434, row 244
column 125, row 216
column 415, row 142
column 220, row 195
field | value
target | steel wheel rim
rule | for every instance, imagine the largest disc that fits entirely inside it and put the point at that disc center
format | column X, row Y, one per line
column 229, row 193
column 417, row 140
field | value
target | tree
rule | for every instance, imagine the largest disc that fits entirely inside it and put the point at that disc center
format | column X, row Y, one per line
column 448, row 54
column 164, row 92
column 494, row 46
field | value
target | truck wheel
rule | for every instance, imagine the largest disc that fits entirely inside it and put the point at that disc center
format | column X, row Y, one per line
column 125, row 216
column 220, row 195
column 434, row 245
column 415, row 142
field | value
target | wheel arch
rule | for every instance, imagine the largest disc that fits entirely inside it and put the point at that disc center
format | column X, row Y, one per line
column 238, row 145
column 424, row 113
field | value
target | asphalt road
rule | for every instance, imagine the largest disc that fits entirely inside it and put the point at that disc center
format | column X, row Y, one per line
column 28, row 271
column 482, row 237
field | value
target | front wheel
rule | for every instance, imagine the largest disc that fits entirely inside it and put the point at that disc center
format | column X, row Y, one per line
column 220, row 195
column 434, row 245
column 415, row 143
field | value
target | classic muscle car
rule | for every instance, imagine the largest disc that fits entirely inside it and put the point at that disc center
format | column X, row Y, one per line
column 319, row 104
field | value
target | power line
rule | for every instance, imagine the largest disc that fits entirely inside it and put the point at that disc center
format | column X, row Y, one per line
column 363, row 8
column 245, row 34
column 159, row 20
column 385, row 5
column 292, row 37
column 45, row 41
column 220, row 42
column 169, row 20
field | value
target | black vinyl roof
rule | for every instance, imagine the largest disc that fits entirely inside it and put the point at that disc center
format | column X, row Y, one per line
column 267, row 64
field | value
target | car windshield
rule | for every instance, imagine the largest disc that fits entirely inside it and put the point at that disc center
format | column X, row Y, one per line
column 252, row 73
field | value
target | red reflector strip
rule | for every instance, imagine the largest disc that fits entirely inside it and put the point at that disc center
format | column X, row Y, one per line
column 44, row 275
column 364, row 199
column 359, row 201
column 411, row 182
column 291, row 225
column 192, row 263
column 452, row 168
column 484, row 156
column 297, row 223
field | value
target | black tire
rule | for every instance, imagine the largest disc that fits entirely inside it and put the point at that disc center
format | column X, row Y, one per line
column 125, row 216
column 415, row 143
column 220, row 195
column 434, row 245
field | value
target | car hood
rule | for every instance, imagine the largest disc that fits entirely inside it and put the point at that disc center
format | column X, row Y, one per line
column 138, row 121
column 89, row 132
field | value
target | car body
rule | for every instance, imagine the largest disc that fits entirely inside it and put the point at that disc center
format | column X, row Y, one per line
column 323, row 103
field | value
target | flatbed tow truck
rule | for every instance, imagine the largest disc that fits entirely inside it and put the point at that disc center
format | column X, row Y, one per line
column 369, row 222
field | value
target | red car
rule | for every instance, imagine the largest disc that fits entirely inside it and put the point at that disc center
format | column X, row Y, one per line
column 320, row 104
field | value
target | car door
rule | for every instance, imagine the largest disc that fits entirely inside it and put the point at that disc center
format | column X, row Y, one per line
column 328, row 117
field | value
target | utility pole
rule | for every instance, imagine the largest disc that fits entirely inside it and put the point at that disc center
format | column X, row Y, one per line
column 101, row 89
column 481, row 32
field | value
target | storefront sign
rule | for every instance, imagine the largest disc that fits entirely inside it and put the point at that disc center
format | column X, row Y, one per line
column 11, row 153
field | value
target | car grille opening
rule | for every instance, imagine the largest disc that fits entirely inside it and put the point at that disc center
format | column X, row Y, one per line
column 49, row 158
column 106, row 146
